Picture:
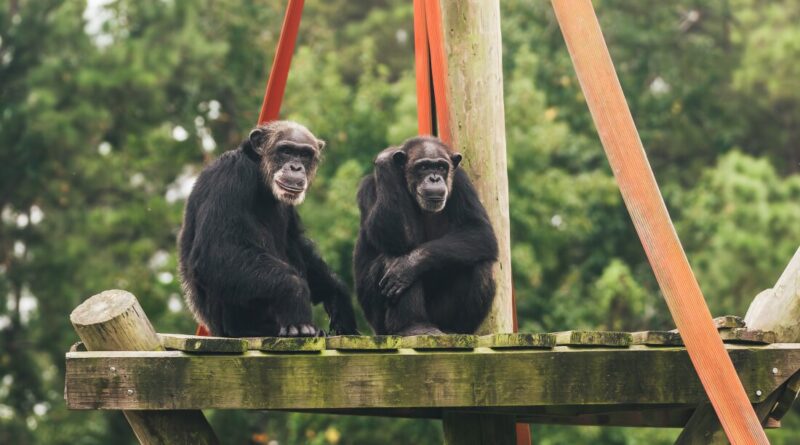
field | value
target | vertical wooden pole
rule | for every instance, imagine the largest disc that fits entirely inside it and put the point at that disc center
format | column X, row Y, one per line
column 114, row 321
column 474, row 94
column 639, row 189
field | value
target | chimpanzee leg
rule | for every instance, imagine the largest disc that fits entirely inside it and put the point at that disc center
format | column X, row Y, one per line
column 409, row 315
column 462, row 299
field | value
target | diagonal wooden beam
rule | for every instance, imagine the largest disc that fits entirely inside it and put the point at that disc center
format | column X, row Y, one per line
column 625, row 152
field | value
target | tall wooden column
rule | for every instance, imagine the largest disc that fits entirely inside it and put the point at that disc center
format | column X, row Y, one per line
column 474, row 92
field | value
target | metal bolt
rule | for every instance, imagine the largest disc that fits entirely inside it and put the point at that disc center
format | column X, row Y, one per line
column 758, row 392
column 113, row 369
column 130, row 392
column 775, row 371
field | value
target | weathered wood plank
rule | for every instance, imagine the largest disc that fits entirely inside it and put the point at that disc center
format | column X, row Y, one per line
column 406, row 379
column 431, row 342
column 194, row 343
column 364, row 342
column 594, row 338
column 517, row 341
column 729, row 321
column 287, row 344
column 656, row 338
column 741, row 335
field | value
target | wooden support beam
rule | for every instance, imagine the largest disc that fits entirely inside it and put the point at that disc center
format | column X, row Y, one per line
column 114, row 321
column 620, row 139
column 474, row 97
column 408, row 378
column 776, row 310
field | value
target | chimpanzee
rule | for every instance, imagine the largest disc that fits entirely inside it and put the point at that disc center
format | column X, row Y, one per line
column 246, row 267
column 425, row 250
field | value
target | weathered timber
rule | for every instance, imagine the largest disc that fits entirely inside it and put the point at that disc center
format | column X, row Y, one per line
column 409, row 379
column 288, row 344
column 363, row 342
column 786, row 398
column 479, row 429
column 114, row 321
column 593, row 338
column 656, row 338
column 432, row 342
column 194, row 343
column 729, row 321
column 741, row 335
column 517, row 341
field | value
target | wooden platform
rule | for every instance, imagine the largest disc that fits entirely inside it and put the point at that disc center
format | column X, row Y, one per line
column 575, row 377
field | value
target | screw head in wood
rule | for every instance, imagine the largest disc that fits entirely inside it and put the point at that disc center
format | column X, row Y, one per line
column 113, row 369
column 130, row 392
column 775, row 371
column 758, row 392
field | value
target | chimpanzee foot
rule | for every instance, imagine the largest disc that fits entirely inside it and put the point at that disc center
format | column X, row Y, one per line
column 300, row 330
column 420, row 329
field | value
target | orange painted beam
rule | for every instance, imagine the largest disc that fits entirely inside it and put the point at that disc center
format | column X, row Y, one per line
column 276, row 84
column 422, row 66
column 620, row 139
column 433, row 19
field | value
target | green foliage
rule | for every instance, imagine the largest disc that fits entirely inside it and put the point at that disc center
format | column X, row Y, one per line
column 108, row 113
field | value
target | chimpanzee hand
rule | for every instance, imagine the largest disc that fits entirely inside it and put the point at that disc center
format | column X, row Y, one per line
column 401, row 273
column 300, row 330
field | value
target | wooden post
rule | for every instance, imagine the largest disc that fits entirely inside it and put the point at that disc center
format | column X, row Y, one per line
column 114, row 321
column 777, row 310
column 474, row 94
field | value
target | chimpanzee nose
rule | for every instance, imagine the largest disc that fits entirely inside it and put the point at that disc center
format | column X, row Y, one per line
column 295, row 167
column 434, row 178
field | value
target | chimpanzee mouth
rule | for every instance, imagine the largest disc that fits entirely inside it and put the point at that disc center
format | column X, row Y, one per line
column 291, row 189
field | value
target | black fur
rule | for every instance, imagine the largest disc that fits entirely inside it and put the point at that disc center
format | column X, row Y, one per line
column 246, row 266
column 422, row 271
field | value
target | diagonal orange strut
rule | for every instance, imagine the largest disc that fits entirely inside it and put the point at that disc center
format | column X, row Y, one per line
column 625, row 152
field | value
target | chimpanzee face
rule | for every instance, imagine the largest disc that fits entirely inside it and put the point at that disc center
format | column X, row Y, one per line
column 289, row 157
column 428, row 166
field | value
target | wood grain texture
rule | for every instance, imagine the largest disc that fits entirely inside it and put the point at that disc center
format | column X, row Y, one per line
column 475, row 92
column 593, row 338
column 729, row 321
column 408, row 378
column 194, row 343
column 741, row 335
column 517, row 341
column 620, row 139
column 656, row 338
column 114, row 321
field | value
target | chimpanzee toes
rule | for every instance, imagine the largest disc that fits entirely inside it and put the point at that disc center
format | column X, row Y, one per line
column 292, row 331
column 282, row 332
column 307, row 330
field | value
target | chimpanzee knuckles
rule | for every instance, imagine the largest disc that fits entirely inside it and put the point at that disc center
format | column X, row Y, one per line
column 300, row 330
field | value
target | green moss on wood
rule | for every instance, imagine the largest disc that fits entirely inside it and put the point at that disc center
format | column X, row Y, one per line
column 517, row 341
column 193, row 343
column 593, row 338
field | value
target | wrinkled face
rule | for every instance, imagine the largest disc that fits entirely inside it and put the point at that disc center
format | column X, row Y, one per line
column 429, row 167
column 289, row 158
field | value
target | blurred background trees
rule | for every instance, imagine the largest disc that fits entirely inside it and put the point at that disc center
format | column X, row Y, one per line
column 109, row 109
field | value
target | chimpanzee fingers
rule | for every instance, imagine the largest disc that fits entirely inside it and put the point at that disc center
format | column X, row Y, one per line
column 282, row 332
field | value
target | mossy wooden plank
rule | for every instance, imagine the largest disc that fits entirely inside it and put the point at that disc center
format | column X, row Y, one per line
column 656, row 338
column 363, row 342
column 448, row 341
column 194, row 343
column 593, row 338
column 741, row 335
column 729, row 322
column 288, row 344
column 409, row 379
column 517, row 341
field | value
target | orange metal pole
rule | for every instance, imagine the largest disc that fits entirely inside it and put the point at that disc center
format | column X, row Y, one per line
column 276, row 85
column 625, row 152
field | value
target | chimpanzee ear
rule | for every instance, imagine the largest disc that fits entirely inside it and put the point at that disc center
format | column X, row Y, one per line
column 321, row 145
column 456, row 158
column 399, row 158
column 257, row 137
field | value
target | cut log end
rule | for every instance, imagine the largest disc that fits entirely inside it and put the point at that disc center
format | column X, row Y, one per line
column 102, row 307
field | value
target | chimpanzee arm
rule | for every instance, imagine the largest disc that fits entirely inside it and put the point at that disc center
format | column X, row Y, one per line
column 388, row 214
column 328, row 289
column 469, row 242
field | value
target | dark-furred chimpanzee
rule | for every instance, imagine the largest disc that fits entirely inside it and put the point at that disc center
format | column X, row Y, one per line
column 246, row 267
column 424, row 255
